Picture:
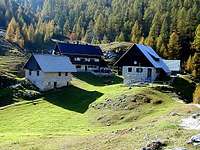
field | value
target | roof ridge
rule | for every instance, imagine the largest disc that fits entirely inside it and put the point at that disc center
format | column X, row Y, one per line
column 51, row 55
column 80, row 44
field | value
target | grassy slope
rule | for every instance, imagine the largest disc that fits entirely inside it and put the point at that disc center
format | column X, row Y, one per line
column 62, row 120
column 9, row 63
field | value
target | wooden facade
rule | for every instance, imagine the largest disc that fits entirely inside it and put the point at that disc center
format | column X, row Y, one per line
column 84, row 57
column 140, row 64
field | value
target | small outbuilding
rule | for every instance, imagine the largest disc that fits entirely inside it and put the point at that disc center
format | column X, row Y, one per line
column 141, row 64
column 49, row 71
column 174, row 66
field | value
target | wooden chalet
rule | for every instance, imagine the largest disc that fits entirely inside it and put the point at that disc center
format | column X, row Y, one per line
column 141, row 64
column 86, row 58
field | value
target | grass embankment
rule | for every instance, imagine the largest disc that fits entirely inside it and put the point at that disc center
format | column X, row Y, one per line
column 64, row 119
column 11, row 64
column 11, row 68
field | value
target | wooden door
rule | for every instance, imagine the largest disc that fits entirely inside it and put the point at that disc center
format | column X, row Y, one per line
column 149, row 73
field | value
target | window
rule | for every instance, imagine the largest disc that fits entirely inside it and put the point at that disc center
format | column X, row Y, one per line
column 129, row 69
column 38, row 73
column 59, row 74
column 77, row 59
column 96, row 60
column 139, row 70
column 49, row 83
column 30, row 72
column 66, row 73
column 78, row 66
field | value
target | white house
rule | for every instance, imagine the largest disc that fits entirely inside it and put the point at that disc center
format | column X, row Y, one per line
column 49, row 71
column 141, row 64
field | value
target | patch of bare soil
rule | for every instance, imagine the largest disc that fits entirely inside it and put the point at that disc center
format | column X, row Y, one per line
column 126, row 102
column 125, row 108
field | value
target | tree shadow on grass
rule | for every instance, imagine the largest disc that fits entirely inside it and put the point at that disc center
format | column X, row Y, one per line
column 97, row 80
column 72, row 98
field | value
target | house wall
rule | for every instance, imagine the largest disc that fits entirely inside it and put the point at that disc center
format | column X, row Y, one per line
column 45, row 81
column 134, row 77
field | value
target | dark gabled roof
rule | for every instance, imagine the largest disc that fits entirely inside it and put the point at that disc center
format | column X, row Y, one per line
column 150, row 54
column 79, row 49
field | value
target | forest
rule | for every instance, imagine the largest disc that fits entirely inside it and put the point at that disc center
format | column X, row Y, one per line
column 172, row 27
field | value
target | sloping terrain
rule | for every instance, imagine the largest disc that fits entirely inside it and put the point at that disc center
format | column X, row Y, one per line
column 88, row 115
column 12, row 56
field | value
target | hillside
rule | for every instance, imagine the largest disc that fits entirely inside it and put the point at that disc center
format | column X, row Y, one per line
column 167, row 26
column 12, row 56
column 89, row 115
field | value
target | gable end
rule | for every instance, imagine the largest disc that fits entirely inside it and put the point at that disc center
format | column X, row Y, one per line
column 32, row 64
column 133, row 57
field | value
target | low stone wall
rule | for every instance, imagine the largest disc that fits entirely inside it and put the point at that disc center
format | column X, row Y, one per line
column 135, row 77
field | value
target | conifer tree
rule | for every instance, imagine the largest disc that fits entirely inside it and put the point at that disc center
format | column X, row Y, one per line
column 66, row 28
column 99, row 27
column 30, row 33
column 105, row 40
column 174, row 46
column 196, row 58
column 120, row 38
column 136, row 33
column 189, row 64
column 196, row 43
column 196, row 65
column 10, row 32
column 164, row 36
column 19, row 38
column 49, row 30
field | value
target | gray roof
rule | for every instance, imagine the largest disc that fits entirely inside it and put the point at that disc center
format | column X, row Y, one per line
column 151, row 55
column 53, row 63
column 173, row 65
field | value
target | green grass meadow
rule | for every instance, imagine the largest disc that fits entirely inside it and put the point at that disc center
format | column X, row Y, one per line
column 63, row 119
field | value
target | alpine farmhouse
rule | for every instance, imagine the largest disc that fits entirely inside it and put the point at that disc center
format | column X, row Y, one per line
column 86, row 58
column 141, row 64
column 49, row 71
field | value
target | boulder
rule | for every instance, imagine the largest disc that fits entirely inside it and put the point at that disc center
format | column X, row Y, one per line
column 156, row 145
column 179, row 148
column 195, row 140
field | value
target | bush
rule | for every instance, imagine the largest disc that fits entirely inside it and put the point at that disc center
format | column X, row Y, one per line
column 30, row 95
column 28, row 85
column 196, row 96
column 6, row 97
column 7, row 80
column 184, row 89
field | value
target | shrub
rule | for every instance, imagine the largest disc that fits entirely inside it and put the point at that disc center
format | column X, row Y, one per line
column 6, row 80
column 6, row 97
column 28, row 85
column 31, row 95
column 184, row 89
